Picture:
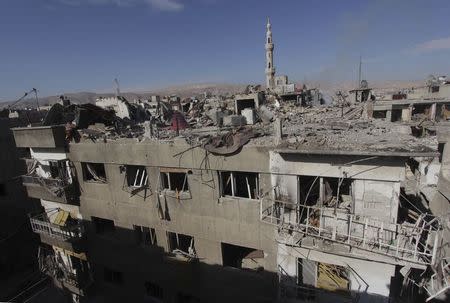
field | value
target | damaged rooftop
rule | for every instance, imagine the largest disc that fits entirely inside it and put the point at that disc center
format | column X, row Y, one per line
column 327, row 129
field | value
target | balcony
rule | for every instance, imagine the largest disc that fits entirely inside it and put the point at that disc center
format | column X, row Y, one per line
column 50, row 189
column 41, row 136
column 413, row 244
column 67, row 234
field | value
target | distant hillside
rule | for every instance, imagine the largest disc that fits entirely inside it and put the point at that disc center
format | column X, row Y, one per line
column 180, row 90
column 215, row 89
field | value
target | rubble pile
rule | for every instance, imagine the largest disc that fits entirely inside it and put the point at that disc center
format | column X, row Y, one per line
column 213, row 122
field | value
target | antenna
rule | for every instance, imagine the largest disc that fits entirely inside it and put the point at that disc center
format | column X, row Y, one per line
column 116, row 83
column 359, row 72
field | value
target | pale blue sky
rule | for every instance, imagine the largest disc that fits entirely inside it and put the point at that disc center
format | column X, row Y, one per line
column 61, row 46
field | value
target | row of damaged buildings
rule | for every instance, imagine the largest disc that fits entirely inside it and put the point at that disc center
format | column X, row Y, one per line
column 252, row 199
column 269, row 196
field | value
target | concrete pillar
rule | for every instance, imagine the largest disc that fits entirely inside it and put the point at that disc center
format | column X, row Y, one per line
column 148, row 131
column 389, row 115
column 406, row 114
column 433, row 112
column 278, row 129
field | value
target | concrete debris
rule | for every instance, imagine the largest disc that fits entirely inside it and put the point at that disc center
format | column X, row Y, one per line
column 234, row 120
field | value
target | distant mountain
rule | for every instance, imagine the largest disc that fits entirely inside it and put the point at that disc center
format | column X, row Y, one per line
column 190, row 90
column 180, row 90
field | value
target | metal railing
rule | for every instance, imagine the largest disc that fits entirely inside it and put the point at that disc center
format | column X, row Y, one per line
column 440, row 281
column 413, row 243
column 41, row 225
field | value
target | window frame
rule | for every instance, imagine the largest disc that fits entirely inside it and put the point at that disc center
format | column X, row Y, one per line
column 86, row 172
column 143, row 180
column 234, row 186
column 164, row 180
column 146, row 236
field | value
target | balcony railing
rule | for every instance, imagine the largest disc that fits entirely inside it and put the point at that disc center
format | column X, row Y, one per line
column 41, row 225
column 413, row 243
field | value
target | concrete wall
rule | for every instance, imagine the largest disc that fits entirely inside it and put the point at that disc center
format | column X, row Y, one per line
column 369, row 281
column 18, row 245
column 201, row 213
column 376, row 182
column 43, row 136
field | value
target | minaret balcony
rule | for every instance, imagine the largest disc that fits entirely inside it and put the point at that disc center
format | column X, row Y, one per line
column 270, row 71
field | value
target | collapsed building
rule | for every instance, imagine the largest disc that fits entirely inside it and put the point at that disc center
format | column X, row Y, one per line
column 247, row 199
column 312, row 204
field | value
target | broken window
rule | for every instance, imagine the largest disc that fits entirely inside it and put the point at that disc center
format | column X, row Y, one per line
column 337, row 190
column 308, row 189
column 153, row 290
column 93, row 172
column 239, row 184
column 2, row 189
column 174, row 179
column 242, row 257
column 103, row 225
column 112, row 276
column 179, row 243
column 136, row 176
column 332, row 277
column 325, row 191
column 328, row 277
column 145, row 235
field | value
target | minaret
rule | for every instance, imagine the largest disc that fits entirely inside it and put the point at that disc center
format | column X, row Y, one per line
column 270, row 70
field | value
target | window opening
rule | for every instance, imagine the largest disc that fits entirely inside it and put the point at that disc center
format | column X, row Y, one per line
column 239, row 184
column 145, row 235
column 153, row 290
column 174, row 181
column 136, row 176
column 242, row 257
column 94, row 172
column 103, row 225
column 182, row 244
column 112, row 276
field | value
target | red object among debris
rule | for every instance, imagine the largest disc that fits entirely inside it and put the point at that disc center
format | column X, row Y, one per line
column 178, row 121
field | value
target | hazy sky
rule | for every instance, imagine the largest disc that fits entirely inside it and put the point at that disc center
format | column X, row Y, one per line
column 62, row 46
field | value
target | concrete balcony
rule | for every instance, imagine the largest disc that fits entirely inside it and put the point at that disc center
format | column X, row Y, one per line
column 41, row 136
column 55, row 190
column 70, row 236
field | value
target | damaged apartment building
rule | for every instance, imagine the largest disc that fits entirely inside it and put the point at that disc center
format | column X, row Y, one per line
column 251, row 200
